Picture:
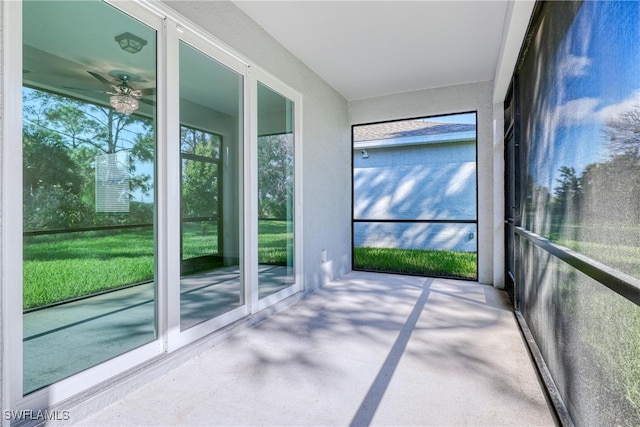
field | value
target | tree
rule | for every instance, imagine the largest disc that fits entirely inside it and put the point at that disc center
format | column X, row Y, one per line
column 568, row 196
column 51, row 182
column 607, row 191
column 611, row 190
column 536, row 201
column 62, row 138
column 46, row 161
column 275, row 175
column 200, row 192
column 616, row 182
column 623, row 134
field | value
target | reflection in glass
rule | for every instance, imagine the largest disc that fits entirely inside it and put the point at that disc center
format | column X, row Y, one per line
column 275, row 191
column 414, row 196
column 582, row 146
column 88, row 190
column 210, row 131
column 580, row 169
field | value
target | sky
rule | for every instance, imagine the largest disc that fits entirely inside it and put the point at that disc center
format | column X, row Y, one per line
column 596, row 76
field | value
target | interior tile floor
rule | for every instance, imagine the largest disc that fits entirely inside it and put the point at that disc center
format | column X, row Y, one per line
column 368, row 349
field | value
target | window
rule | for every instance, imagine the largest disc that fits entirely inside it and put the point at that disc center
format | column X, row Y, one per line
column 414, row 196
column 201, row 198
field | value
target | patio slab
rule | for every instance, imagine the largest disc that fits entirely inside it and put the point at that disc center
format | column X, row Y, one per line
column 369, row 349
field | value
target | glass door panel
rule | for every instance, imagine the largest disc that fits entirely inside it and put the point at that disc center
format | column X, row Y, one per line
column 275, row 192
column 210, row 141
column 89, row 126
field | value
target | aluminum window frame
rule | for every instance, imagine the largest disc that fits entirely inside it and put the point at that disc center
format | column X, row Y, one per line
column 417, row 221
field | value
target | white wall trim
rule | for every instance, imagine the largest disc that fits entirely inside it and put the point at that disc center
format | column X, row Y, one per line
column 515, row 27
column 517, row 19
column 11, row 285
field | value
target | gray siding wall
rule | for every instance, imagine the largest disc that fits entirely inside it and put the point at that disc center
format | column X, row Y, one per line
column 418, row 182
column 435, row 181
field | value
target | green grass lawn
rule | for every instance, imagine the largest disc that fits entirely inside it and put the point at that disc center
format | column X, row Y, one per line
column 625, row 258
column 59, row 267
column 199, row 239
column 273, row 242
column 415, row 261
column 62, row 266
column 616, row 245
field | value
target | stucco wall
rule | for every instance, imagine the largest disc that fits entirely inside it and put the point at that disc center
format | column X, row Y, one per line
column 326, row 136
column 448, row 100
column 498, row 196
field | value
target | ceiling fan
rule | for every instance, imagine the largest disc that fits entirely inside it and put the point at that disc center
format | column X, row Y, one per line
column 124, row 98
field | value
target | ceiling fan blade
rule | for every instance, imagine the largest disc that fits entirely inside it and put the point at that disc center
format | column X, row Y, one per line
column 100, row 78
column 147, row 101
column 85, row 90
column 147, row 91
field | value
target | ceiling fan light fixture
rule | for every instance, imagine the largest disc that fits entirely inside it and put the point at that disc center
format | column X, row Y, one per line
column 130, row 42
column 123, row 103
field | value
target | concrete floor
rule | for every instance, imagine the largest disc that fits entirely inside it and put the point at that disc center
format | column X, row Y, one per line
column 369, row 349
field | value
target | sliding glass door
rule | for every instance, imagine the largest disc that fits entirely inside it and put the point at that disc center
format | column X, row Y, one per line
column 276, row 146
column 152, row 200
column 89, row 188
column 211, row 123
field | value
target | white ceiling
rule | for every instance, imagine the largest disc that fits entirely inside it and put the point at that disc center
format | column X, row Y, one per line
column 372, row 48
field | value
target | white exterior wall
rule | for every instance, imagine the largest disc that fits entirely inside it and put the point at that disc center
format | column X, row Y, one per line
column 398, row 182
column 498, row 197
column 448, row 100
column 326, row 166
column 517, row 19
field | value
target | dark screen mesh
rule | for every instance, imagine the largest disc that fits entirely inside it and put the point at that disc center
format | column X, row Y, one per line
column 589, row 337
column 579, row 97
column 580, row 111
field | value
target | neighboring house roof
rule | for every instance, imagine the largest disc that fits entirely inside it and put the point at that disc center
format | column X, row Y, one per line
column 411, row 132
